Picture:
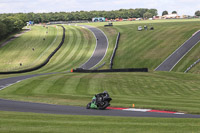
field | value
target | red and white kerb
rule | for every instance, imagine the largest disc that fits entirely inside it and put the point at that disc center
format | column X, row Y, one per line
column 143, row 110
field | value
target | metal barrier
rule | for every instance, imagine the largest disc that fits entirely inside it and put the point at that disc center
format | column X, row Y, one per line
column 114, row 51
column 196, row 62
column 80, row 70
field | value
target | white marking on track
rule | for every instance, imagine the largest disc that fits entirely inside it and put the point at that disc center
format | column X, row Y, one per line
column 147, row 110
column 7, row 85
column 139, row 110
column 179, row 113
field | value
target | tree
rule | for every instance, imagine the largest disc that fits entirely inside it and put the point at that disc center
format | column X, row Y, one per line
column 141, row 11
column 174, row 12
column 147, row 15
column 197, row 13
column 9, row 21
column 3, row 30
column 154, row 12
column 18, row 24
column 164, row 13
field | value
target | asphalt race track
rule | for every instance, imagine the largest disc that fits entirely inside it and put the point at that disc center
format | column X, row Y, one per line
column 177, row 55
column 100, row 50
column 12, row 80
column 8, row 105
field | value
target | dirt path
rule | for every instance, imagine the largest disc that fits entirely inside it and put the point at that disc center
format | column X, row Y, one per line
column 14, row 37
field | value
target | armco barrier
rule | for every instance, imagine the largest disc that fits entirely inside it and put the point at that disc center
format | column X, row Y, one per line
column 111, row 70
column 114, row 51
column 188, row 69
column 44, row 63
column 99, row 66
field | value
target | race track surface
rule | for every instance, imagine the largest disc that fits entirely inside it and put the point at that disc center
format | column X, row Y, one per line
column 12, row 80
column 8, row 105
column 177, row 55
column 100, row 50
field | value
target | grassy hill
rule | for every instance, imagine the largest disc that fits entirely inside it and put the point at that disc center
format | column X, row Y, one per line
column 150, row 48
column 77, row 48
column 158, row 90
column 173, row 91
column 30, row 49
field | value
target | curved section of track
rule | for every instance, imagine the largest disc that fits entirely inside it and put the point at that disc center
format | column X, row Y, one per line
column 177, row 55
column 100, row 50
column 8, row 105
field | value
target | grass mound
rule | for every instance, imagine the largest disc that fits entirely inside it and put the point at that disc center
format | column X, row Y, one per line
column 165, row 91
column 77, row 49
column 30, row 49
column 150, row 48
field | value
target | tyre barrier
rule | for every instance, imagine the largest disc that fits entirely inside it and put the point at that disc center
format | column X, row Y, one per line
column 196, row 62
column 44, row 63
column 114, row 51
column 80, row 70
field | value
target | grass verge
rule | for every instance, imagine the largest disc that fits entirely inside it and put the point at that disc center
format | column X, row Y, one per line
column 39, row 123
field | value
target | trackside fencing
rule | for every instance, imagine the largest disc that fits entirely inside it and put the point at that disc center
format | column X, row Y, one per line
column 44, row 63
column 111, row 70
column 196, row 62
column 99, row 66
column 114, row 51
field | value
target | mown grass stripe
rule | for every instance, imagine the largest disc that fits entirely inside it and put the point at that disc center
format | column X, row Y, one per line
column 66, row 51
column 75, row 52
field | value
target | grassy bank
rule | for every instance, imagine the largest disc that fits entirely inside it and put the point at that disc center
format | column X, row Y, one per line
column 77, row 48
column 34, row 123
column 159, row 90
column 150, row 48
column 30, row 49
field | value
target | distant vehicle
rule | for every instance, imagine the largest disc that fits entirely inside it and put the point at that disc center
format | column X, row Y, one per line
column 138, row 19
column 139, row 28
column 109, row 24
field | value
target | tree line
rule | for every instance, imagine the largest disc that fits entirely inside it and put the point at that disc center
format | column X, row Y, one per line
column 84, row 15
column 9, row 25
column 12, row 22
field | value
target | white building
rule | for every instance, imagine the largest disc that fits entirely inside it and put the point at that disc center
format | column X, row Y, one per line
column 171, row 16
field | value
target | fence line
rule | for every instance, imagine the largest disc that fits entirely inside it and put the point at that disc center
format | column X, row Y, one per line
column 196, row 62
column 114, row 51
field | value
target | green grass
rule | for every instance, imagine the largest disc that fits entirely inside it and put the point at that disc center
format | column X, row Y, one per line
column 33, row 123
column 150, row 48
column 196, row 69
column 158, row 90
column 76, row 50
column 154, row 90
column 78, row 47
column 188, row 60
column 20, row 50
